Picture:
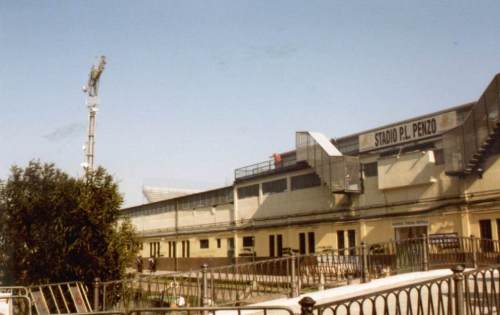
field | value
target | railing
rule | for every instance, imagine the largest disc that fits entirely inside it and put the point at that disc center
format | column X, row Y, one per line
column 258, row 310
column 234, row 284
column 430, row 252
column 293, row 275
column 341, row 173
column 473, row 292
column 17, row 299
column 262, row 167
column 278, row 277
column 148, row 291
column 247, row 310
column 465, row 144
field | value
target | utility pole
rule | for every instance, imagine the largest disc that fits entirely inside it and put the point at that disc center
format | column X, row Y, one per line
column 91, row 89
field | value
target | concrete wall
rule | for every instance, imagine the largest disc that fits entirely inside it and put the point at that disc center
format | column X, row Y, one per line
column 411, row 184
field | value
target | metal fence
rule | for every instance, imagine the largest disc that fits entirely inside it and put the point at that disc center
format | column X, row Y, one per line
column 247, row 310
column 246, row 283
column 473, row 292
column 16, row 298
column 232, row 285
column 262, row 168
column 296, row 274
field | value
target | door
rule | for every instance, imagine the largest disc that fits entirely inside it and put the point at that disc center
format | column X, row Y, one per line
column 341, row 242
column 351, row 241
column 302, row 243
column 409, row 247
column 486, row 235
column 279, row 239
column 312, row 242
column 230, row 247
column 271, row 246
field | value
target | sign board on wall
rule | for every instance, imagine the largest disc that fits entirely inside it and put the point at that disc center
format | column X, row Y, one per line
column 406, row 132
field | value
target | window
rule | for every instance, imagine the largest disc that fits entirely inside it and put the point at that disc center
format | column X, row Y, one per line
column 185, row 249
column 351, row 240
column 486, row 235
column 248, row 191
column 302, row 243
column 279, row 241
column 370, row 169
column 230, row 243
column 498, row 228
column 154, row 249
column 276, row 245
column 172, row 250
column 219, row 243
column 340, row 242
column 248, row 241
column 439, row 156
column 275, row 186
column 305, row 181
column 312, row 242
column 271, row 246
column 204, row 243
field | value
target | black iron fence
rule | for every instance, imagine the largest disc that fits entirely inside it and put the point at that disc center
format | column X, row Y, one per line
column 293, row 275
column 472, row 292
column 247, row 283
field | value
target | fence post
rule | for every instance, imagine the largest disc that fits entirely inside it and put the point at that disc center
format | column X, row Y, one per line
column 321, row 285
column 365, row 277
column 96, row 293
column 474, row 249
column 293, row 276
column 458, row 279
column 204, row 285
column 425, row 251
column 307, row 305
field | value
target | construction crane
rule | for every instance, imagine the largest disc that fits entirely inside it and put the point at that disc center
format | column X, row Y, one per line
column 91, row 89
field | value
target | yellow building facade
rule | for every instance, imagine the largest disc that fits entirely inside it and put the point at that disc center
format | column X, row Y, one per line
column 437, row 174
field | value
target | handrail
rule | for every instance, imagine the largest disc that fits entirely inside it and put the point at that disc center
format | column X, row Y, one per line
column 262, row 168
column 465, row 145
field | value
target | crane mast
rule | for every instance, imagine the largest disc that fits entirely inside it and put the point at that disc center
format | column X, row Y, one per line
column 91, row 89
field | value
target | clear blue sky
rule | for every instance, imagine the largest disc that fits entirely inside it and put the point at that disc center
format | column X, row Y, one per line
column 195, row 89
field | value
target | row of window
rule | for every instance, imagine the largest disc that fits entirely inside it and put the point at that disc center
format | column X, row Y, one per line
column 206, row 199
column 307, row 244
column 205, row 243
column 280, row 185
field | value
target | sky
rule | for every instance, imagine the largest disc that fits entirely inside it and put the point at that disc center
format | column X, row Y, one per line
column 195, row 89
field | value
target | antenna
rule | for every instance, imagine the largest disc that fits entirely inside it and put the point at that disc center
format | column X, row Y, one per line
column 91, row 89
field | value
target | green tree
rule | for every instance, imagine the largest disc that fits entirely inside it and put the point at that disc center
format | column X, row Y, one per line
column 54, row 227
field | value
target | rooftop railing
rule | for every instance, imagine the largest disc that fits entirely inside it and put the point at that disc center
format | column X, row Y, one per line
column 262, row 168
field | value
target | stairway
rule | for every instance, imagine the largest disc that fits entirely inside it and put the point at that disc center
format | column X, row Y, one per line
column 468, row 145
column 339, row 172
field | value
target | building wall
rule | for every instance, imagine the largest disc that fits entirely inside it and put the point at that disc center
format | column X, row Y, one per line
column 289, row 202
column 409, row 189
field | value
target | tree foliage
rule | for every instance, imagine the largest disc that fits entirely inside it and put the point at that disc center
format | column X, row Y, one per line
column 54, row 227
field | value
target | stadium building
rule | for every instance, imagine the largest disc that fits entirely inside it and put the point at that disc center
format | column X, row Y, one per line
column 436, row 174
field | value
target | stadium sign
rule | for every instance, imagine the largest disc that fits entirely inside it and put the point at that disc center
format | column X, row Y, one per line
column 406, row 132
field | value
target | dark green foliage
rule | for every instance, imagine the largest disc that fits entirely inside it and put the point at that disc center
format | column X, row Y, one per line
column 54, row 227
